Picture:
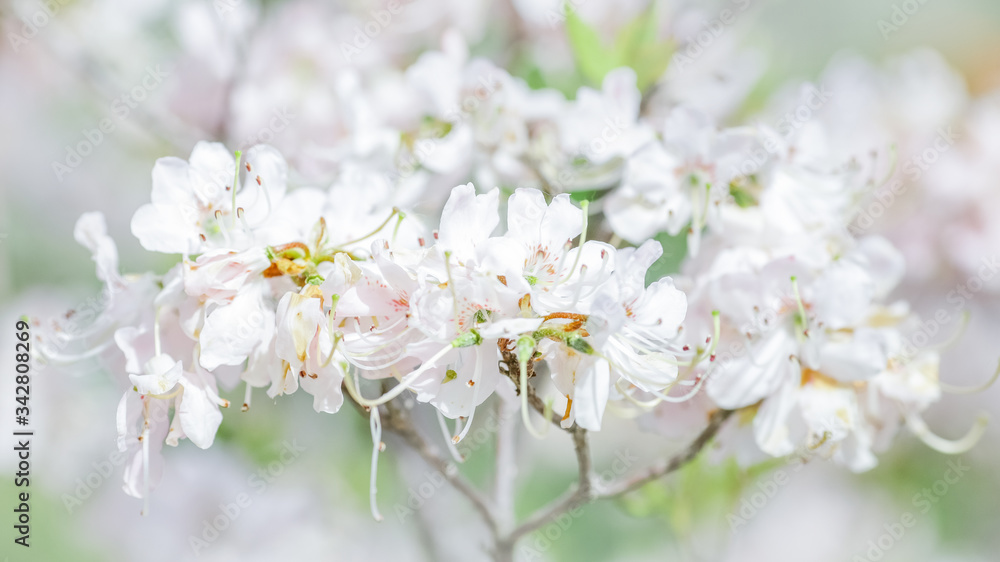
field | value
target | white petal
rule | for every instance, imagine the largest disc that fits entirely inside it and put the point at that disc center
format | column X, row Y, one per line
column 200, row 415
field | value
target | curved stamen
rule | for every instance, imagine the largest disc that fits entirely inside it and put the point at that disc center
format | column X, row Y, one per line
column 247, row 394
column 447, row 437
column 56, row 358
column 583, row 240
column 156, row 331
column 236, row 183
column 627, row 393
column 801, row 306
column 947, row 344
column 404, row 383
column 375, row 424
column 378, row 229
column 974, row 389
column 476, row 376
column 947, row 446
column 525, row 350
column 678, row 399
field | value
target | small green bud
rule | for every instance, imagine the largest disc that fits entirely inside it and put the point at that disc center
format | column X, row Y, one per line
column 580, row 344
column 525, row 348
column 467, row 339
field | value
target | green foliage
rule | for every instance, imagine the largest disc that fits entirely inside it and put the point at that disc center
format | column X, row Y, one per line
column 674, row 251
column 259, row 433
column 742, row 197
column 635, row 46
column 586, row 195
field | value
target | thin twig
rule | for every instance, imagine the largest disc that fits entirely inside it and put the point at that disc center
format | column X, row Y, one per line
column 579, row 494
column 663, row 468
column 505, row 475
column 398, row 422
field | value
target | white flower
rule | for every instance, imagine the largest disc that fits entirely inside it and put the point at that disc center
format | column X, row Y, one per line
column 602, row 125
column 192, row 208
column 306, row 347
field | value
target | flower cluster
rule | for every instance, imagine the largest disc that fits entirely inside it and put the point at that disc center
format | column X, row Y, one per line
column 391, row 281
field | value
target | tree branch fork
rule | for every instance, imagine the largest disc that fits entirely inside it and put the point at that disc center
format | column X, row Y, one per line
column 396, row 420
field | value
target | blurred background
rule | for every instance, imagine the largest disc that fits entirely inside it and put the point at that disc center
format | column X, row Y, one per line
column 167, row 74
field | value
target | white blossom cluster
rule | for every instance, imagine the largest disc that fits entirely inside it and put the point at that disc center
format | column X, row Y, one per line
column 391, row 281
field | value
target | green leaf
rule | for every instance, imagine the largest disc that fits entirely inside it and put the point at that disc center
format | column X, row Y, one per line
column 650, row 62
column 674, row 251
column 585, row 195
column 636, row 46
column 593, row 57
column 742, row 197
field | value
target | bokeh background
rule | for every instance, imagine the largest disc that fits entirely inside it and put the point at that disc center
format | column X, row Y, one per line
column 231, row 65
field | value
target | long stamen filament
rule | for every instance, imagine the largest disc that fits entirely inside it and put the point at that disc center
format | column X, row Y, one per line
column 974, row 389
column 247, row 394
column 525, row 350
column 156, row 332
column 145, row 460
column 378, row 229
column 404, row 383
column 447, row 437
column 476, row 376
column 375, row 423
column 584, row 205
column 801, row 305
column 948, row 446
column 451, row 287
column 236, row 182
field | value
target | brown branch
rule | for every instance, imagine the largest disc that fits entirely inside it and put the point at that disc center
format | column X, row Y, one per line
column 513, row 371
column 397, row 421
column 582, row 492
column 665, row 467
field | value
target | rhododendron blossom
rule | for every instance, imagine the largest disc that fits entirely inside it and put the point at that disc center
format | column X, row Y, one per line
column 458, row 238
